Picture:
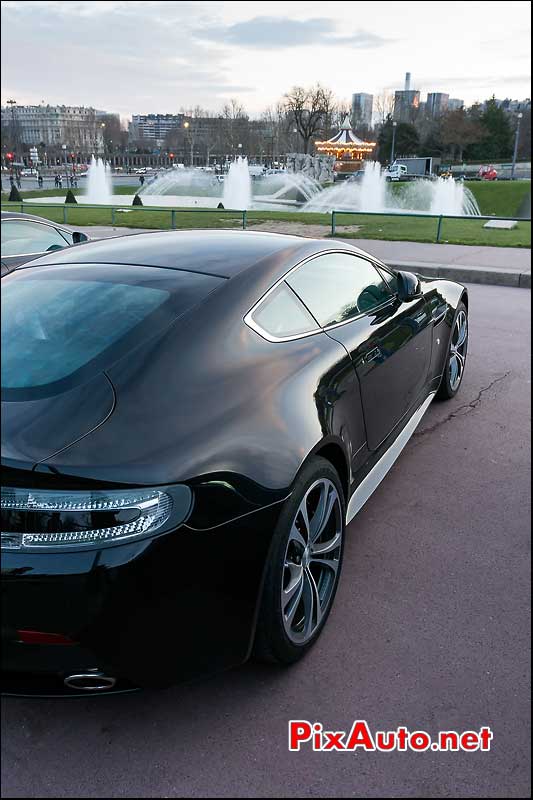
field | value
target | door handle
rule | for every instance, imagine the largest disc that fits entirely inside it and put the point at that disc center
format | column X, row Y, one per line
column 373, row 355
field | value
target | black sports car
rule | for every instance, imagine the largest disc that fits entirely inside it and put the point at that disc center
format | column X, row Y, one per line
column 189, row 422
column 25, row 237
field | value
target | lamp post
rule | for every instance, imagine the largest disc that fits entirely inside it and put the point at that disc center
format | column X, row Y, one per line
column 516, row 139
column 394, row 126
column 64, row 149
column 187, row 125
column 14, row 126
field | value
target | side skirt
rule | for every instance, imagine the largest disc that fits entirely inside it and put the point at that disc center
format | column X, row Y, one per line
column 371, row 482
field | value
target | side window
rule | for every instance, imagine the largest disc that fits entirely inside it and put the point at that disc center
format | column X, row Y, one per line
column 281, row 314
column 24, row 236
column 337, row 286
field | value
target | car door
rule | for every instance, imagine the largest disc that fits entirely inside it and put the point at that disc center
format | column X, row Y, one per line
column 24, row 239
column 389, row 341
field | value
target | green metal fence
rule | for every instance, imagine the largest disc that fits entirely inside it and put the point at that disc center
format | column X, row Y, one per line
column 174, row 213
column 27, row 207
column 438, row 217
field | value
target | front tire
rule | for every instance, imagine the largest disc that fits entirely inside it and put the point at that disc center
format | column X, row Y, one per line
column 454, row 368
column 304, row 568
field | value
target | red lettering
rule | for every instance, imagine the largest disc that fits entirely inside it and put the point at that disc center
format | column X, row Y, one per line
column 299, row 731
column 360, row 736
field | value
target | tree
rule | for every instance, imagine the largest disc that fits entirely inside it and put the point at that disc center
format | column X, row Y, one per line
column 406, row 142
column 234, row 127
column 14, row 195
column 384, row 106
column 460, row 129
column 497, row 140
column 310, row 110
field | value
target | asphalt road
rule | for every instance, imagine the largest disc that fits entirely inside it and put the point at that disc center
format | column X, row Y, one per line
column 430, row 630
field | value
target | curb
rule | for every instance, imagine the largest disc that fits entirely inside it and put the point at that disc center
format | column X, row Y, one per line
column 467, row 274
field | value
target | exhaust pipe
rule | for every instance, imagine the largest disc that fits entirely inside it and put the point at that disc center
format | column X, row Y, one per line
column 91, row 681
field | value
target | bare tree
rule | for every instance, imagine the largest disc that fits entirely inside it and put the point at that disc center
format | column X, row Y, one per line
column 384, row 105
column 341, row 110
column 235, row 126
column 310, row 110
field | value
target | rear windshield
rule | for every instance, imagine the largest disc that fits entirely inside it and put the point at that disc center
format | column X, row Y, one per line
column 61, row 325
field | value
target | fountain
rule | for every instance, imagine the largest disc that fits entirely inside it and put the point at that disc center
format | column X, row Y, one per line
column 238, row 186
column 453, row 198
column 182, row 181
column 291, row 191
column 99, row 183
column 373, row 188
column 373, row 193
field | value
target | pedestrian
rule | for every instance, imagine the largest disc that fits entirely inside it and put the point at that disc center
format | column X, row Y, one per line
column 56, row 180
column 40, row 180
column 59, row 182
column 141, row 179
column 19, row 182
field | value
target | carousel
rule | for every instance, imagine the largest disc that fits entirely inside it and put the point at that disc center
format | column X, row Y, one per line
column 348, row 150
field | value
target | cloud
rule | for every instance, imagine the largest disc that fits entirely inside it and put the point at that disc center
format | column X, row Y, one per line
column 477, row 81
column 269, row 33
column 85, row 52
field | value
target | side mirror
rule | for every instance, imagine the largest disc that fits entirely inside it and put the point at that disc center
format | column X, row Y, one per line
column 78, row 237
column 408, row 286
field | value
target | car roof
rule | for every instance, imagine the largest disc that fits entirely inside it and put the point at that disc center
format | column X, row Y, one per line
column 20, row 215
column 223, row 253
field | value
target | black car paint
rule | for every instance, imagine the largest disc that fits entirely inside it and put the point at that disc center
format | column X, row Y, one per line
column 235, row 417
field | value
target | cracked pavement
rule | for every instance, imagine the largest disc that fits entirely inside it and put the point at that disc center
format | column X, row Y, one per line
column 430, row 629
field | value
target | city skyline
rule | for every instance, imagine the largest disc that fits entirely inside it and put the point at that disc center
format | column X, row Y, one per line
column 175, row 55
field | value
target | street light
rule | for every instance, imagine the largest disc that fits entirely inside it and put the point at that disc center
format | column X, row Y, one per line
column 516, row 138
column 102, row 125
column 64, row 149
column 187, row 125
column 394, row 126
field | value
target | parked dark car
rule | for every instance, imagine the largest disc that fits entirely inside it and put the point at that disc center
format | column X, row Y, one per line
column 25, row 237
column 190, row 419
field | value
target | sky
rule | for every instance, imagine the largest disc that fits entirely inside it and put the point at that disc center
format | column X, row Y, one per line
column 145, row 57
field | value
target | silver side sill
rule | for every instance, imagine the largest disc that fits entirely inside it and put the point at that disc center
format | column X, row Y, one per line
column 368, row 486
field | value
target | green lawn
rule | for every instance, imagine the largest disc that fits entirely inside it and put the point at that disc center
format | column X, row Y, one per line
column 454, row 231
column 131, row 217
column 496, row 198
column 499, row 198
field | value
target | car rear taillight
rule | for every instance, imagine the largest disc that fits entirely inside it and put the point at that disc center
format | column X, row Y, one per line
column 40, row 637
column 36, row 519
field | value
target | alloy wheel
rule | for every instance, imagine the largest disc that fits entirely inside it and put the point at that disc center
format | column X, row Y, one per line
column 312, row 561
column 458, row 350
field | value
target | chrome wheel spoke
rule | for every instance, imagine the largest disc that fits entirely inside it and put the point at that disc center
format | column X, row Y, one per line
column 328, row 498
column 304, row 518
column 311, row 603
column 322, row 548
column 328, row 563
column 462, row 329
column 292, row 596
column 296, row 536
